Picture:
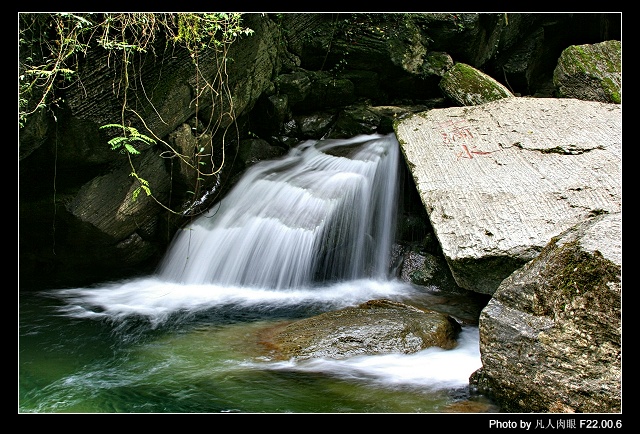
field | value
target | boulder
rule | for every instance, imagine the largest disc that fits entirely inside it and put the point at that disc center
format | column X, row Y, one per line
column 499, row 180
column 551, row 335
column 465, row 85
column 375, row 327
column 591, row 72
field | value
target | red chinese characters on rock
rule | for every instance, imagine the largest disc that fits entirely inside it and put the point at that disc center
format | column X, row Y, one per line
column 456, row 131
column 467, row 152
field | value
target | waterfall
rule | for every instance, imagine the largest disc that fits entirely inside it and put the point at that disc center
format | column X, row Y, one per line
column 304, row 234
column 325, row 212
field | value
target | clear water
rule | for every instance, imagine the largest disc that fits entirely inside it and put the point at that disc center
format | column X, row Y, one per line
column 298, row 236
column 150, row 346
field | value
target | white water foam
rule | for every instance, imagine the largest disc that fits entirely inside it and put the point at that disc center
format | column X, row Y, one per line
column 157, row 299
column 433, row 368
column 310, row 216
column 287, row 226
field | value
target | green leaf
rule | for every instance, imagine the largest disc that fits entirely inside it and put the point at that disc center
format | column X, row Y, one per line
column 144, row 139
column 111, row 126
column 136, row 192
column 116, row 142
column 131, row 149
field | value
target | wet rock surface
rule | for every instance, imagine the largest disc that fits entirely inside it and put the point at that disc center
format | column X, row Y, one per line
column 375, row 327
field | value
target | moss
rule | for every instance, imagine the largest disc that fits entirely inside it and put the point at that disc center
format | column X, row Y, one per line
column 607, row 61
column 395, row 124
column 474, row 83
column 573, row 273
column 467, row 71
column 579, row 57
column 612, row 90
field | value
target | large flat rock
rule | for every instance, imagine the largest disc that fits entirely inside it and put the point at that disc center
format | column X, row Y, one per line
column 499, row 180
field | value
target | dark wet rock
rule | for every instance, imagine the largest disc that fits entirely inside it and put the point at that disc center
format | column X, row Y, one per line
column 252, row 151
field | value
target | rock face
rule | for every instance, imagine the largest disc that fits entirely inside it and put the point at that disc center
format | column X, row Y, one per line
column 498, row 180
column 374, row 327
column 590, row 72
column 81, row 201
column 76, row 223
column 501, row 179
column 550, row 337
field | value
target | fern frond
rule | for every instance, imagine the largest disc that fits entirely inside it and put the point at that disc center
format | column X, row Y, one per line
column 143, row 138
column 131, row 149
column 116, row 142
column 112, row 126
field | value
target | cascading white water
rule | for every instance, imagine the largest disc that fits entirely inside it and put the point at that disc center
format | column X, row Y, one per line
column 325, row 212
column 309, row 233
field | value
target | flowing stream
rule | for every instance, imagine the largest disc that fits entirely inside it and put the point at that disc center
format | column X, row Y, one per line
column 297, row 236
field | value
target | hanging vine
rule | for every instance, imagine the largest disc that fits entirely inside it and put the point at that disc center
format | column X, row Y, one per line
column 52, row 44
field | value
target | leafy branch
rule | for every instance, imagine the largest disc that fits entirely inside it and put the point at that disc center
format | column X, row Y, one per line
column 124, row 144
column 129, row 136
